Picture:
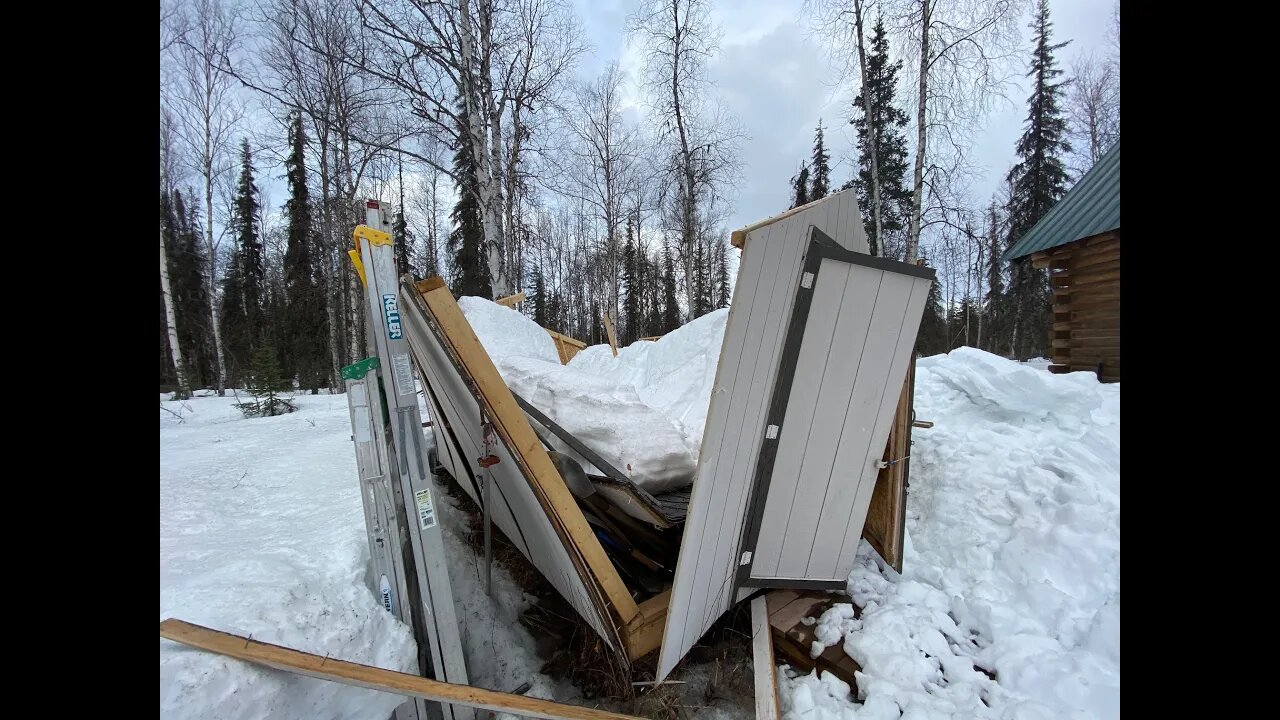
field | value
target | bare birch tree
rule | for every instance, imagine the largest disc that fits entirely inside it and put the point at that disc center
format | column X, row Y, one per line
column 962, row 49
column 208, row 111
column 677, row 40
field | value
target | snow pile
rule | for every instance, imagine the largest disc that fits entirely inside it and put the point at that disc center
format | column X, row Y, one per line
column 1012, row 566
column 673, row 374
column 639, row 420
column 262, row 533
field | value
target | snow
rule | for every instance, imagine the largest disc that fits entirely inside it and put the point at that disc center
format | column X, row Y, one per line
column 1009, row 605
column 262, row 533
column 1012, row 562
column 643, row 411
column 674, row 374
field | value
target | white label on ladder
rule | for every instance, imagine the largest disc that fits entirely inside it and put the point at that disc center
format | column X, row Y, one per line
column 360, row 402
column 806, row 280
column 771, row 432
column 426, row 510
column 404, row 373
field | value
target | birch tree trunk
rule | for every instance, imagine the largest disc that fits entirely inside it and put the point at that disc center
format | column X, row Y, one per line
column 171, row 319
column 917, row 191
column 479, row 149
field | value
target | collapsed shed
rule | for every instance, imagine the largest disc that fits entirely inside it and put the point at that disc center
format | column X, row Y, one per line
column 816, row 347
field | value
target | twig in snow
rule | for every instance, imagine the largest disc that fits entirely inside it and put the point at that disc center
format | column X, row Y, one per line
column 243, row 475
column 175, row 414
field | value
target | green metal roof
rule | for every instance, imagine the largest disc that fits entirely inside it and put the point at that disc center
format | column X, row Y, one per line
column 1089, row 208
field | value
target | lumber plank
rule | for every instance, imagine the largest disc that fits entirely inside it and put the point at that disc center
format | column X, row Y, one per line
column 510, row 422
column 366, row 676
column 792, row 639
column 511, row 300
column 644, row 633
column 738, row 238
column 608, row 328
column 766, row 674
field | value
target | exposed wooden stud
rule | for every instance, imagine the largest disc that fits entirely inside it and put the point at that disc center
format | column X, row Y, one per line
column 762, row 663
column 608, row 328
column 373, row 678
column 511, row 300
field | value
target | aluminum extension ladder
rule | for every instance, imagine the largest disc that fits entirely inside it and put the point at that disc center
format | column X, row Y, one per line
column 407, row 569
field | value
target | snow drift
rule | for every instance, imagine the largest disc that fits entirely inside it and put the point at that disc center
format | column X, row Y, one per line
column 1012, row 564
column 643, row 411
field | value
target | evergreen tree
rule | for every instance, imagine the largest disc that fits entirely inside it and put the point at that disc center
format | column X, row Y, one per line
column 539, row 299
column 249, row 243
column 722, row 275
column 670, row 306
column 466, row 242
column 820, row 172
column 306, row 325
column 631, row 279
column 235, row 322
column 653, row 274
column 402, row 243
column 190, row 294
column 264, row 383
column 884, row 132
column 933, row 337
column 1038, row 180
column 800, row 186
column 994, row 316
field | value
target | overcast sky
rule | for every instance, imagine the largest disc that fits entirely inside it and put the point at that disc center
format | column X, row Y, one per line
column 776, row 76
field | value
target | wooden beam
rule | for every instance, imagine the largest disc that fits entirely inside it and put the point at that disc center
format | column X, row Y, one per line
column 511, row 300
column 373, row 678
column 608, row 328
column 643, row 634
column 527, row 450
column 926, row 424
column 762, row 663
column 738, row 238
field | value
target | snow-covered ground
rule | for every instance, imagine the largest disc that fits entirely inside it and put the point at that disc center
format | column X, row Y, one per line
column 262, row 534
column 1012, row 567
column 1012, row 562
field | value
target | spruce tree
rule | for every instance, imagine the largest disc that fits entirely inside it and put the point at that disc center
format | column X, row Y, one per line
column 539, row 299
column 190, row 294
column 1038, row 180
column 932, row 338
column 800, row 186
column 820, row 173
column 402, row 243
column 994, row 332
column 306, row 325
column 264, row 383
column 722, row 275
column 670, row 306
column 249, row 244
column 631, row 279
column 466, row 241
column 236, row 347
column 884, row 132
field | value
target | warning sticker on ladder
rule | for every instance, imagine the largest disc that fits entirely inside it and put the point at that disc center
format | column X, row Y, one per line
column 426, row 509
column 404, row 373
